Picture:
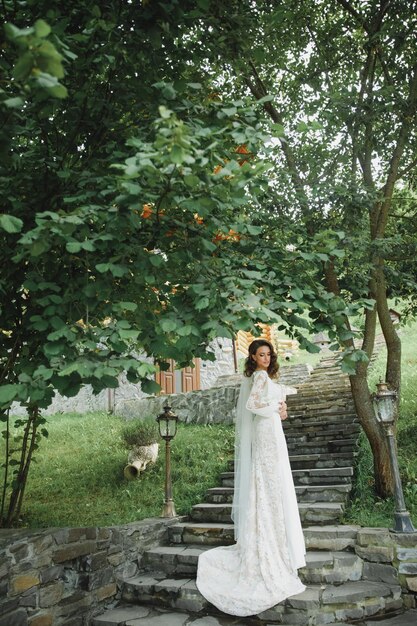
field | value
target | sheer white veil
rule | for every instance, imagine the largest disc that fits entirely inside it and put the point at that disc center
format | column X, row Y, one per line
column 243, row 457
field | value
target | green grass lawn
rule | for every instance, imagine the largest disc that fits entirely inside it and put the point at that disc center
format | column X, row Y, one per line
column 365, row 508
column 78, row 477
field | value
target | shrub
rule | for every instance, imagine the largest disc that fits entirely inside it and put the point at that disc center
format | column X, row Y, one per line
column 140, row 432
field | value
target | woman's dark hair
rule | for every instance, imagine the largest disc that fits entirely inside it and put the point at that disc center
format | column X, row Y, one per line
column 250, row 365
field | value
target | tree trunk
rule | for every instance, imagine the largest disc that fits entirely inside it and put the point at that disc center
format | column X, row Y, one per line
column 21, row 476
column 392, row 340
column 384, row 480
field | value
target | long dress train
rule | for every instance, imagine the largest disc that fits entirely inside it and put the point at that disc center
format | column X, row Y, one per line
column 260, row 570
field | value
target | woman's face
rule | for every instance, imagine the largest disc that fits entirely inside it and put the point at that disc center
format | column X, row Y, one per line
column 262, row 357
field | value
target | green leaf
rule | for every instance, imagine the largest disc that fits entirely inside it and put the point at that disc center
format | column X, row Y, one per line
column 164, row 112
column 192, row 181
column 339, row 253
column 229, row 111
column 208, row 245
column 348, row 367
column 14, row 103
column 58, row 91
column 10, row 223
column 8, row 393
column 203, row 303
column 168, row 325
column 296, row 293
column 145, row 369
column 177, row 154
column 73, row 246
column 253, row 230
column 116, row 270
column 186, row 330
column 42, row 29
column 129, row 334
column 125, row 306
column 88, row 245
column 13, row 32
column 23, row 67
column 150, row 386
column 156, row 260
column 279, row 130
column 267, row 98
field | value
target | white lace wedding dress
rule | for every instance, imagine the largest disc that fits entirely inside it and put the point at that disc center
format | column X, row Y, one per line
column 260, row 570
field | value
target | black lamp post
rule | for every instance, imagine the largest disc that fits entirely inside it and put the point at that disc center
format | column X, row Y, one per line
column 384, row 406
column 167, row 423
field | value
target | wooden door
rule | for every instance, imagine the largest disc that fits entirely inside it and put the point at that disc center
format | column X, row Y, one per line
column 190, row 377
column 167, row 378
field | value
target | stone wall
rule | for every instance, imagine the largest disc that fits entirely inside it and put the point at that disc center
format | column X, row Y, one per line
column 391, row 558
column 208, row 406
column 109, row 399
column 66, row 575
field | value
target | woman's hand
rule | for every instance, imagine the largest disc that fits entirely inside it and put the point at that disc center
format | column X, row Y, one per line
column 283, row 410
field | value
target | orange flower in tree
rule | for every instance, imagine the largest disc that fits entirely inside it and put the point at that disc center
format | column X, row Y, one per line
column 198, row 218
column 147, row 211
column 242, row 149
column 232, row 235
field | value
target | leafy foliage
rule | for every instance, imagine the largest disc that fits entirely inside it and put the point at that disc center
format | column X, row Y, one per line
column 124, row 227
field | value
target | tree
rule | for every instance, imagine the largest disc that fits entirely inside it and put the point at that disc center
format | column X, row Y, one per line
column 339, row 86
column 125, row 234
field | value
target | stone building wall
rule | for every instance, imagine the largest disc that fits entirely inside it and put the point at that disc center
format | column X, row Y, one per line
column 66, row 575
column 207, row 406
column 85, row 401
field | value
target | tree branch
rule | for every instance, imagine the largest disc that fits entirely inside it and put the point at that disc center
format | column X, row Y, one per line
column 407, row 169
column 259, row 90
column 407, row 120
column 350, row 9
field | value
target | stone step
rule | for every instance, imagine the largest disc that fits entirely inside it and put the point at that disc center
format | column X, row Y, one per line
column 324, row 537
column 318, row 604
column 312, row 513
column 136, row 615
column 321, row 566
column 305, row 493
column 316, row 460
column 321, row 476
column 322, row 447
column 324, row 425
column 207, row 533
column 304, row 414
column 327, row 428
column 320, row 436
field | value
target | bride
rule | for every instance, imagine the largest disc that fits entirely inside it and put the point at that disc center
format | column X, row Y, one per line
column 260, row 570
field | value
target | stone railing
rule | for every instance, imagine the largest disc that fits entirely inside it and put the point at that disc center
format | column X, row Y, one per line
column 66, row 575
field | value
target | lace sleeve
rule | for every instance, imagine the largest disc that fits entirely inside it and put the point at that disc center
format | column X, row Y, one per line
column 258, row 401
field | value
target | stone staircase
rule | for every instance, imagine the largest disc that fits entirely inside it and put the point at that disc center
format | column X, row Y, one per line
column 321, row 433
